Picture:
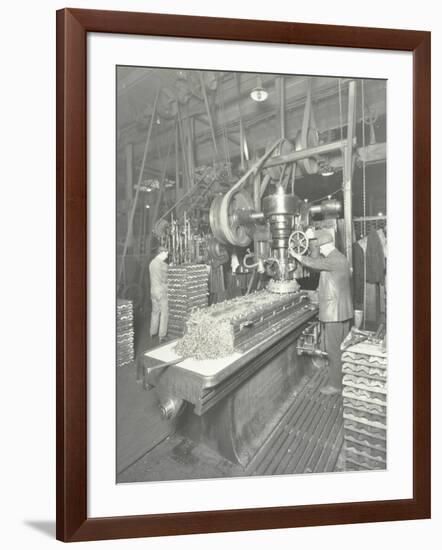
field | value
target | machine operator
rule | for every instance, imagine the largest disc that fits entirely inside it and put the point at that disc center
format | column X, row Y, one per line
column 158, row 293
column 335, row 303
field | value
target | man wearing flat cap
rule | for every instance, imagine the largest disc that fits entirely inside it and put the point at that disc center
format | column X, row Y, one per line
column 335, row 302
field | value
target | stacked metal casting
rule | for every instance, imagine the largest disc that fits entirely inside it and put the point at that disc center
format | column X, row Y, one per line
column 364, row 367
column 239, row 324
column 125, row 333
column 187, row 290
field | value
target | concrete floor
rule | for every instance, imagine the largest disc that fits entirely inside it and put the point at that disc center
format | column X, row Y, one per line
column 178, row 458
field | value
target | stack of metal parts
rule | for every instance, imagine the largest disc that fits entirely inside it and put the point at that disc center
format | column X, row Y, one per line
column 125, row 333
column 187, row 291
column 364, row 367
column 240, row 324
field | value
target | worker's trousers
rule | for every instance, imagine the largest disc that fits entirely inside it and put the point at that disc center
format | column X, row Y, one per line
column 333, row 336
column 160, row 316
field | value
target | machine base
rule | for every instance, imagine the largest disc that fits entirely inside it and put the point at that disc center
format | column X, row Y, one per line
column 308, row 438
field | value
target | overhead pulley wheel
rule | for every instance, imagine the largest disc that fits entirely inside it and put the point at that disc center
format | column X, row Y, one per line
column 284, row 148
column 298, row 242
column 224, row 221
column 308, row 140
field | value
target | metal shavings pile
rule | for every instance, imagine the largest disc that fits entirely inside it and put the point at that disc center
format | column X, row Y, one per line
column 209, row 331
column 205, row 340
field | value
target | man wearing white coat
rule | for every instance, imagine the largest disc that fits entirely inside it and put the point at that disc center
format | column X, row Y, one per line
column 158, row 294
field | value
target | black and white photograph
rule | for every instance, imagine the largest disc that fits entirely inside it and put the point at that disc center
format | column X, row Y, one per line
column 251, row 246
column 222, row 261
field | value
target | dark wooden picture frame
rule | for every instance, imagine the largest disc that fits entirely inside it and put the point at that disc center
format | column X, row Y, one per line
column 73, row 523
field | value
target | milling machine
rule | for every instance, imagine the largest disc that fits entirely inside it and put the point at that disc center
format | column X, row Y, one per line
column 280, row 229
column 275, row 231
column 232, row 403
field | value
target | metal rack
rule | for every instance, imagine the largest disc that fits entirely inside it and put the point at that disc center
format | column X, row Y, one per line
column 363, row 224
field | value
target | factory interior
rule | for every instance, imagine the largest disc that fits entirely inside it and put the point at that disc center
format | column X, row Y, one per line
column 250, row 274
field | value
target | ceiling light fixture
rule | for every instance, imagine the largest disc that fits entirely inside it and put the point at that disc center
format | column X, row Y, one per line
column 258, row 93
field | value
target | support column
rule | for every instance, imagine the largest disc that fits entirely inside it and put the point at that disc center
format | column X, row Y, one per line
column 282, row 105
column 348, row 173
column 257, row 191
column 129, row 155
column 177, row 164
column 191, row 150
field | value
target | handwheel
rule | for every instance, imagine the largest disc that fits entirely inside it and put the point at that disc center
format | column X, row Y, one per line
column 298, row 242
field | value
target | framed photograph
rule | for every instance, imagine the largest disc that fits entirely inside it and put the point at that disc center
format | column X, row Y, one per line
column 243, row 274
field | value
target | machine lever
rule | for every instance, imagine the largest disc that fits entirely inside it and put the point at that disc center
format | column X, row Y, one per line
column 148, row 370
